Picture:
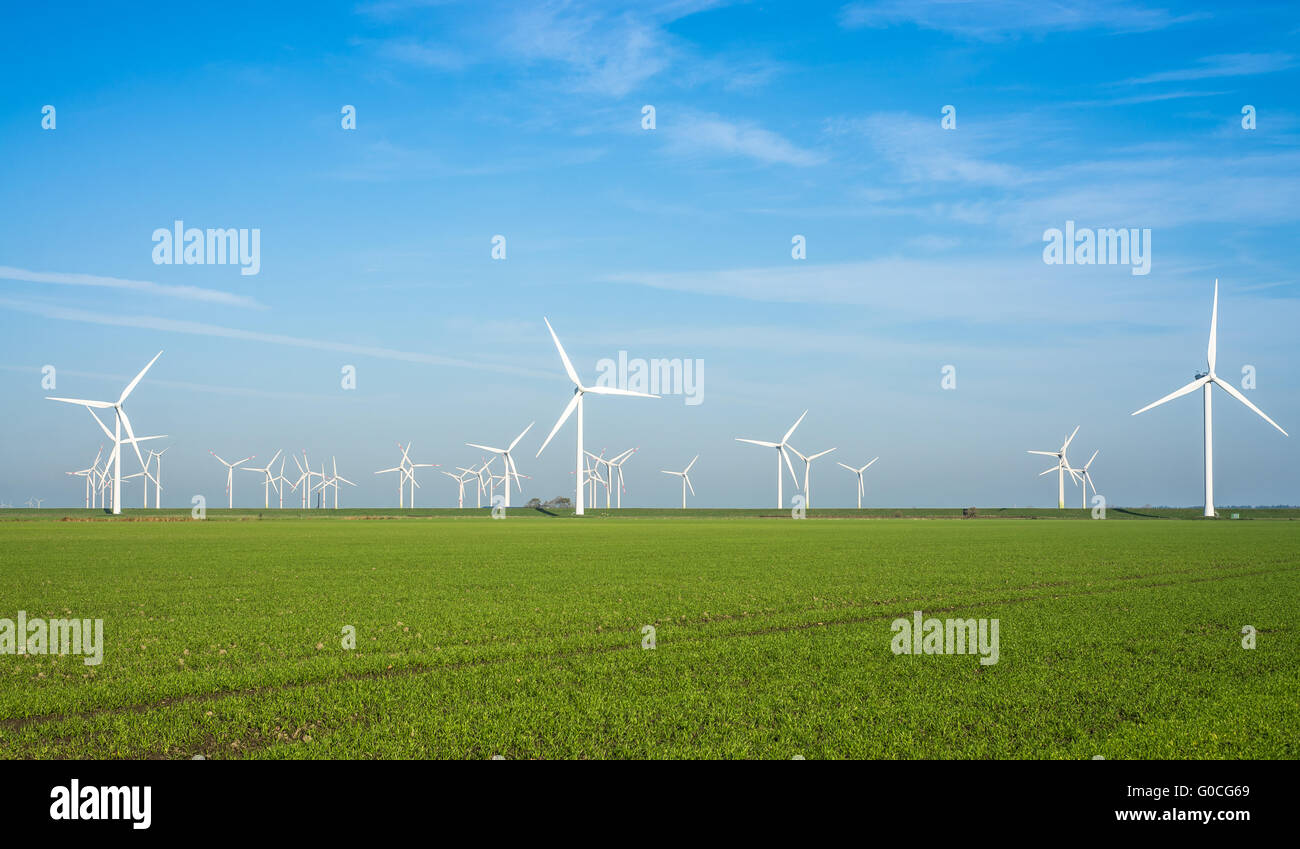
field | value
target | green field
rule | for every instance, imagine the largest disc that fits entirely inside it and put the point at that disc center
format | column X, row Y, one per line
column 523, row 638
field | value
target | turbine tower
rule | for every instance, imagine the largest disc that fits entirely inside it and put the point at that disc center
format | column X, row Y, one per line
column 780, row 454
column 576, row 403
column 1086, row 478
column 1205, row 381
column 268, row 482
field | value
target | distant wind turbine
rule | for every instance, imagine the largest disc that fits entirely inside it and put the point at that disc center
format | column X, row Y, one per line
column 807, row 473
column 780, row 454
column 859, row 472
column 685, row 475
column 230, row 475
column 121, row 421
column 507, row 460
column 1062, row 466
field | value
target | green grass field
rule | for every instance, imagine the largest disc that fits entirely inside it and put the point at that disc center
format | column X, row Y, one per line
column 523, row 638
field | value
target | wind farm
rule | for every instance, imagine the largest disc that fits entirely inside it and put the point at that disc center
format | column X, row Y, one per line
column 277, row 480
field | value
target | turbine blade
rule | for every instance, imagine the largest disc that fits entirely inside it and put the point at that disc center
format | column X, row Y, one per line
column 564, row 417
column 485, row 448
column 610, row 390
column 758, row 442
column 1178, row 393
column 1232, row 390
column 568, row 366
column 130, row 387
column 692, row 463
column 521, row 436
column 687, row 478
column 790, row 432
column 101, row 405
column 1213, row 350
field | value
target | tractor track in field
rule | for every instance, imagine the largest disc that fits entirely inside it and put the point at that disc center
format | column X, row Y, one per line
column 419, row 669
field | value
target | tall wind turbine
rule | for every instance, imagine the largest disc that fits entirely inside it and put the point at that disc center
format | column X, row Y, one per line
column 230, row 476
column 268, row 482
column 279, row 480
column 807, row 473
column 1206, row 380
column 121, row 421
column 859, row 472
column 780, row 454
column 685, row 475
column 507, row 460
column 333, row 480
column 576, row 403
column 1062, row 466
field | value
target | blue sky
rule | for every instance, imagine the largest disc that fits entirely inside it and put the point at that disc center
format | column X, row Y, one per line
column 924, row 245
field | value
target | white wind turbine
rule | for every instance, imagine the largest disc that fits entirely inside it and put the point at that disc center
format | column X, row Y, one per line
column 279, row 480
column 89, row 475
column 408, row 471
column 1062, row 466
column 807, row 473
column 576, row 403
column 121, row 421
column 1086, row 478
column 780, row 454
column 1206, row 380
column 230, row 475
column 333, row 480
column 304, row 478
column 685, row 475
column 461, row 479
column 617, row 469
column 156, row 458
column 268, row 482
column 599, row 460
column 508, row 461
column 859, row 472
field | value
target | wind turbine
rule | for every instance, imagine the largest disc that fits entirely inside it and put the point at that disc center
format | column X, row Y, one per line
column 1062, row 466
column 268, row 483
column 1086, row 478
column 780, row 454
column 120, row 421
column 1206, row 380
column 617, row 464
column 156, row 456
column 461, row 479
column 89, row 475
column 304, row 477
column 230, row 476
column 507, row 460
column 333, row 480
column 279, row 480
column 807, row 473
column 859, row 472
column 685, row 475
column 408, row 471
column 576, row 403
column 608, row 481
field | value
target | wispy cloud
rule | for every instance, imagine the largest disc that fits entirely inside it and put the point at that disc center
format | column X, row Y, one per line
column 694, row 134
column 195, row 328
column 997, row 19
column 1224, row 65
column 190, row 293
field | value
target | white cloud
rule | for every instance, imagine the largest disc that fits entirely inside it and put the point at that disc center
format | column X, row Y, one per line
column 693, row 133
column 190, row 293
column 996, row 19
column 1225, row 65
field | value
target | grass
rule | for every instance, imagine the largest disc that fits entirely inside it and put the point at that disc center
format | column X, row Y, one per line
column 523, row 637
